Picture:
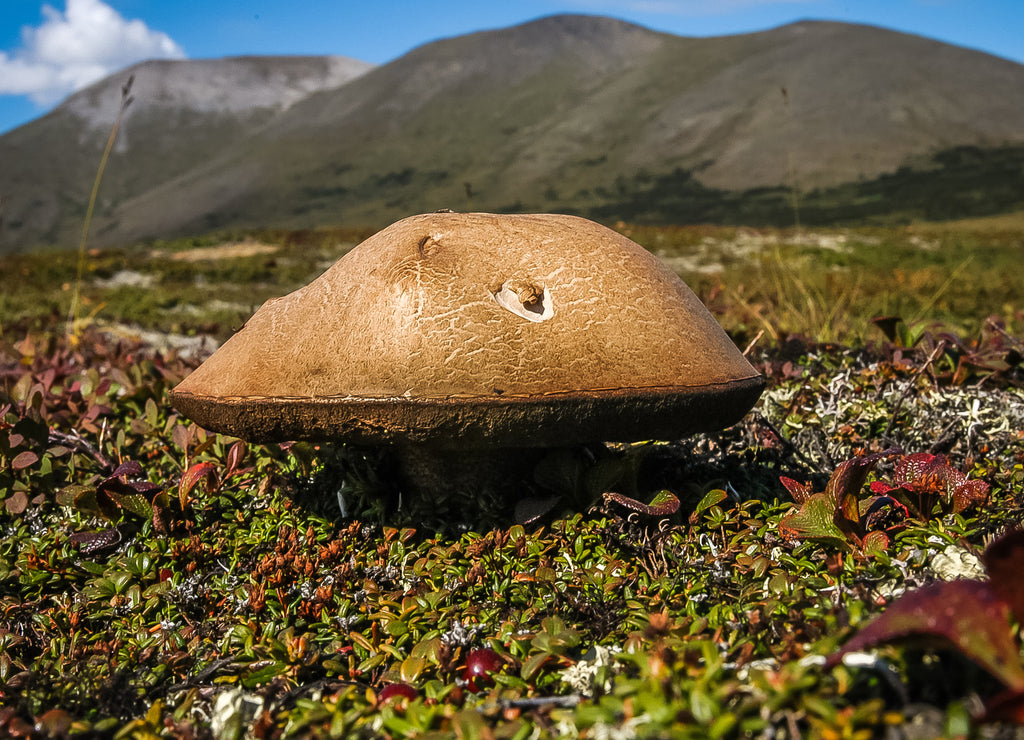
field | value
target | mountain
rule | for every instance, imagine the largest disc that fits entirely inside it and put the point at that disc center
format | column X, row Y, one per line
column 567, row 113
column 182, row 113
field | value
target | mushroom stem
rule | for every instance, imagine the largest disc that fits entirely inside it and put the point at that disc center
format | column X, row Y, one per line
column 435, row 473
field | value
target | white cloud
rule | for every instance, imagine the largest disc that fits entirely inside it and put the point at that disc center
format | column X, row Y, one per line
column 72, row 49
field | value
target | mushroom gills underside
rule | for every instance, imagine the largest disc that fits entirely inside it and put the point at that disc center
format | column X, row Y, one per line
column 623, row 415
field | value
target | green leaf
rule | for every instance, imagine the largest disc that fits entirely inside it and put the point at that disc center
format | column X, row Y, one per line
column 136, row 503
column 711, row 498
column 814, row 519
column 411, row 669
column 429, row 649
column 845, row 484
column 532, row 665
column 264, row 674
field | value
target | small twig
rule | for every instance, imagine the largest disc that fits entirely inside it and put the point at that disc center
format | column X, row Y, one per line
column 822, row 449
column 298, row 691
column 210, row 670
column 193, row 681
column 947, row 439
column 752, row 342
column 910, row 386
column 75, row 440
column 790, row 447
column 562, row 702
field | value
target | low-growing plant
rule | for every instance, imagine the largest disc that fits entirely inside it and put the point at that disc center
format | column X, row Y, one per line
column 252, row 605
column 928, row 486
column 980, row 619
column 846, row 515
column 955, row 360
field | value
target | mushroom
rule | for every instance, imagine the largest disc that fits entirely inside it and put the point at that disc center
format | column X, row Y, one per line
column 472, row 343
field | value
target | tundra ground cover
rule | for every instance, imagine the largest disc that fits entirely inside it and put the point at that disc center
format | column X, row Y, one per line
column 156, row 580
column 826, row 284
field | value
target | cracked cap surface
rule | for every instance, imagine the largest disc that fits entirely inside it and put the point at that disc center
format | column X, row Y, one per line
column 478, row 330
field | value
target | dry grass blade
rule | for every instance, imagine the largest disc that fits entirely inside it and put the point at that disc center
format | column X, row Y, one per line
column 73, row 318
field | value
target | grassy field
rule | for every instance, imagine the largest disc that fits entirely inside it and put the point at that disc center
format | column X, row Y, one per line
column 157, row 580
column 822, row 283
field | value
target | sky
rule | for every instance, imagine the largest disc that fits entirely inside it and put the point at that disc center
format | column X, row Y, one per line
column 50, row 49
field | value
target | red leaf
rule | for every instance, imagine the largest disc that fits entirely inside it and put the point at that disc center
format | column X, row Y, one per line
column 876, row 542
column 17, row 503
column 191, row 478
column 93, row 541
column 180, row 436
column 967, row 614
column 128, row 467
column 114, row 484
column 929, row 477
column 911, row 467
column 925, row 473
column 969, row 493
column 1004, row 561
column 235, row 456
column 47, row 378
column 799, row 491
column 1005, row 707
column 664, row 503
column 848, row 478
column 23, row 459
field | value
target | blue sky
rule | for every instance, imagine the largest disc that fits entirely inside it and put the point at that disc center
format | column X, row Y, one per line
column 49, row 49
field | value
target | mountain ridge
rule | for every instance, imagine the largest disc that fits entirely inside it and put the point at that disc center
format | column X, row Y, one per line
column 564, row 113
column 238, row 84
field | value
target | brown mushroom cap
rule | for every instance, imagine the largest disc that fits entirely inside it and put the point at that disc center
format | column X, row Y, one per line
column 478, row 330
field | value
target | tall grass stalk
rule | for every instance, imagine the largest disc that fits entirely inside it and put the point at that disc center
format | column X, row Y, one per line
column 794, row 188
column 941, row 291
column 73, row 326
column 793, row 296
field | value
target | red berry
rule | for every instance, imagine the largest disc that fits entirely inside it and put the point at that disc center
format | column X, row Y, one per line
column 395, row 690
column 480, row 663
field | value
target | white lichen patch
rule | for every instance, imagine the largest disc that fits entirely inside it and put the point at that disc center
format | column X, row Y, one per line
column 125, row 279
column 713, row 253
column 956, row 563
column 583, row 674
column 220, row 252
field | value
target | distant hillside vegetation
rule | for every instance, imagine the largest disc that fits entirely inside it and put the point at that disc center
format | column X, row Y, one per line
column 575, row 114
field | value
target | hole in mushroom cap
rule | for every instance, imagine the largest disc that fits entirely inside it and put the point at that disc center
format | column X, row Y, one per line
column 430, row 245
column 528, row 300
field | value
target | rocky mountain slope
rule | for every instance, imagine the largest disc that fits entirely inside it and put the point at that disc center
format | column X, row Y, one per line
column 182, row 113
column 566, row 113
